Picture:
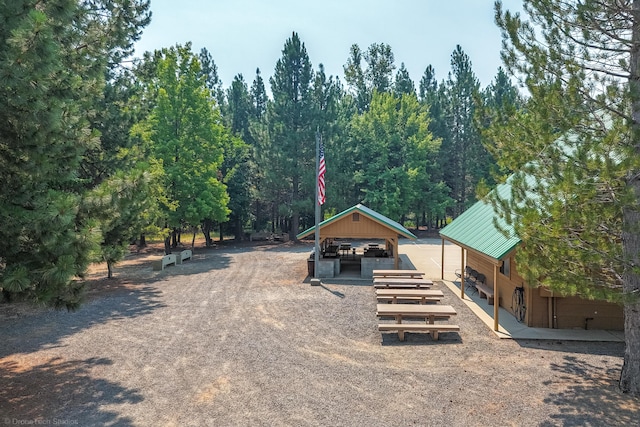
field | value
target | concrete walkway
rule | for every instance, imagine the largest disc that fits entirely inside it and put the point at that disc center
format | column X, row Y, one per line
column 426, row 255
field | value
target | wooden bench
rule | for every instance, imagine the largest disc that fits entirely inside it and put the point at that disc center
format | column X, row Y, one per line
column 485, row 290
column 184, row 255
column 397, row 273
column 433, row 329
column 421, row 300
column 411, row 295
column 164, row 261
column 398, row 282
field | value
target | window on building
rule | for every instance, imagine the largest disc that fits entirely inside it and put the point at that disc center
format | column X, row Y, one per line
column 506, row 267
column 356, row 217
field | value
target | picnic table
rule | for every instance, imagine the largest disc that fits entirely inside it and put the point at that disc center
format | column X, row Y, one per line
column 420, row 295
column 345, row 248
column 397, row 273
column 401, row 282
column 429, row 312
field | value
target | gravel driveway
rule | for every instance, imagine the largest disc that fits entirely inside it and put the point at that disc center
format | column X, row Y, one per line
column 237, row 337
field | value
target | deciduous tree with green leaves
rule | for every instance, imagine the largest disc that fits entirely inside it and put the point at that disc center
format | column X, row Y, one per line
column 188, row 139
column 576, row 201
column 394, row 154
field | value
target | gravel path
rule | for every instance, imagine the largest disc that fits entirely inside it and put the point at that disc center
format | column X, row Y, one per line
column 237, row 337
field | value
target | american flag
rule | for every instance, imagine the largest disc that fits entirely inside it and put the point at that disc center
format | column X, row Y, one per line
column 321, row 170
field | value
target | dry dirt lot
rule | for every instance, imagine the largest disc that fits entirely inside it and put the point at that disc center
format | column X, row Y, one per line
column 238, row 337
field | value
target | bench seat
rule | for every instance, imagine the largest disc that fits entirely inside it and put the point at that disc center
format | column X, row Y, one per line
column 486, row 291
column 164, row 261
column 409, row 299
column 184, row 255
column 433, row 329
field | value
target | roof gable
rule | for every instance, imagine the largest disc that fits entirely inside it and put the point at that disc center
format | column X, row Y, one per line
column 368, row 213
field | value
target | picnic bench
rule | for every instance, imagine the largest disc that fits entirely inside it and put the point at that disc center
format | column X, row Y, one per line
column 164, row 261
column 433, row 329
column 428, row 312
column 397, row 273
column 401, row 282
column 487, row 291
column 420, row 295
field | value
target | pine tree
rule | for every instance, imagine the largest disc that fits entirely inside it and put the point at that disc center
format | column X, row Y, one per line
column 403, row 83
column 576, row 203
column 55, row 58
column 462, row 152
column 238, row 163
column 292, row 151
column 209, row 70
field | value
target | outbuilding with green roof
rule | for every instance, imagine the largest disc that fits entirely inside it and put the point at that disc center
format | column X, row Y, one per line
column 488, row 246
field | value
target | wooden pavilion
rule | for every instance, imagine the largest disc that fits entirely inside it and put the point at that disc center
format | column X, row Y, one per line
column 360, row 222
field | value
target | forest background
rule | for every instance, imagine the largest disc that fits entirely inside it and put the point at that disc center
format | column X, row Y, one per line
column 121, row 148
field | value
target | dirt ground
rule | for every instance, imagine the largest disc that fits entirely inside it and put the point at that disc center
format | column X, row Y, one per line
column 238, row 337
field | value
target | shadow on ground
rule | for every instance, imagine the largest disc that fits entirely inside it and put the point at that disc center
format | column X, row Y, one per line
column 66, row 393
column 30, row 328
column 593, row 387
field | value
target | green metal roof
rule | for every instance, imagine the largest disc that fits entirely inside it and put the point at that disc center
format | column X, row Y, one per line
column 366, row 212
column 476, row 228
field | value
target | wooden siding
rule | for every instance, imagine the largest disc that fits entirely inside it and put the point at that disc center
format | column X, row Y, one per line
column 365, row 228
column 571, row 312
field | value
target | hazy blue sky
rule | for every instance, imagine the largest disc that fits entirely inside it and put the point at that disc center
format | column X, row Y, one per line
column 242, row 35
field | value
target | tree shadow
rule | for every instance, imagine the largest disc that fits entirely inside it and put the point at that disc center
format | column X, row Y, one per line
column 61, row 392
column 593, row 399
column 25, row 328
column 579, row 347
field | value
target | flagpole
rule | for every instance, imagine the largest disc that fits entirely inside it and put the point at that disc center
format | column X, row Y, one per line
column 316, row 259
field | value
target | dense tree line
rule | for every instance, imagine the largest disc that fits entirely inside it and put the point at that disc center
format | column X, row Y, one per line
column 97, row 154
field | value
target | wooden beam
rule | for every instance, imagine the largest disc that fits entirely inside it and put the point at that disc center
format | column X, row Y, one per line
column 461, row 272
column 395, row 253
column 496, row 299
column 442, row 262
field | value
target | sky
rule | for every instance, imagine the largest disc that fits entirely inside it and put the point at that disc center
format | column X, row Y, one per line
column 243, row 35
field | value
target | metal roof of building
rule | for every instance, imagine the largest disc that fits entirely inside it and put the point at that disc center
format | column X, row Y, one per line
column 367, row 212
column 476, row 228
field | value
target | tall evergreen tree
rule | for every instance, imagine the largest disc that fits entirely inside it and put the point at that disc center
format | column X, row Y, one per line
column 238, row 161
column 380, row 66
column 259, row 140
column 55, row 57
column 368, row 72
column 209, row 70
column 403, row 83
column 258, row 95
column 291, row 152
column 354, row 75
column 576, row 203
column 499, row 103
column 462, row 153
column 435, row 98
